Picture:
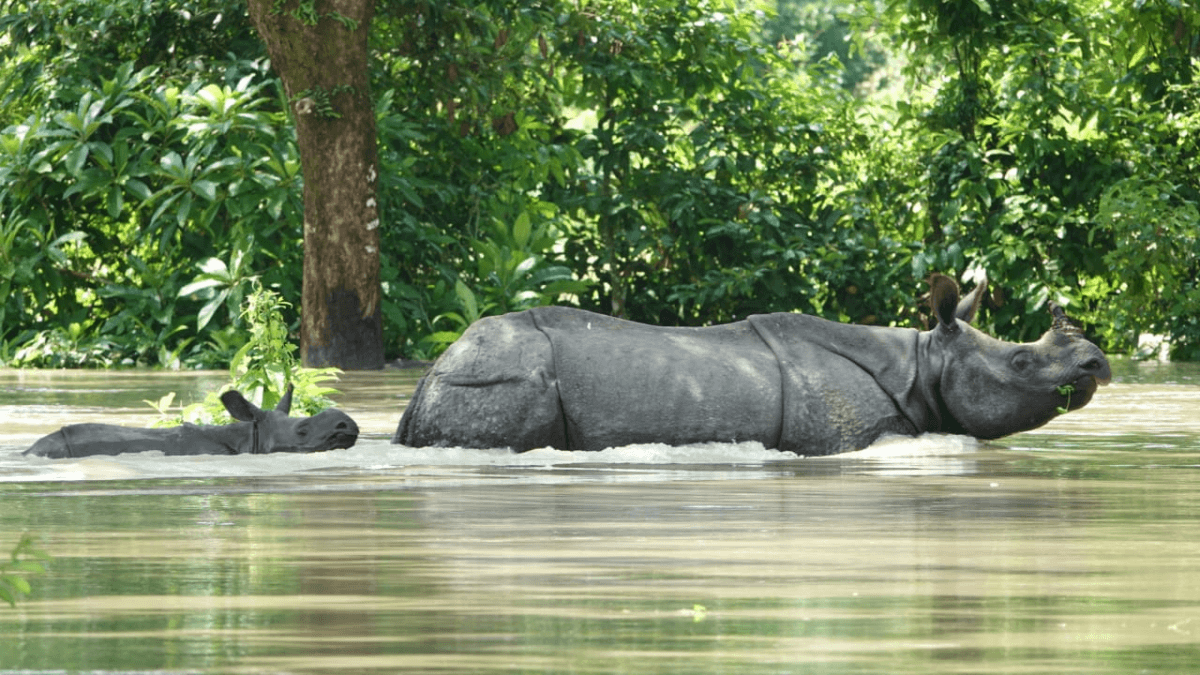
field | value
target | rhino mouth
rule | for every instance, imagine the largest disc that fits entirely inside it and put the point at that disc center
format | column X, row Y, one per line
column 1080, row 391
column 342, row 441
column 335, row 441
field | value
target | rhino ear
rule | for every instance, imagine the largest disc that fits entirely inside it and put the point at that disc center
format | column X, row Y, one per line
column 285, row 404
column 943, row 299
column 239, row 408
column 969, row 306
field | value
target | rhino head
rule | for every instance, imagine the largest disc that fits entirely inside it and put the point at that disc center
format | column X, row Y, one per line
column 274, row 431
column 990, row 388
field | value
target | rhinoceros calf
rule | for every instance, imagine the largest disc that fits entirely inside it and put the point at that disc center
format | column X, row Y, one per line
column 259, row 431
column 571, row 379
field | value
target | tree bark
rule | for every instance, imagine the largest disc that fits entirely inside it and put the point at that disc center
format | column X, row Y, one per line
column 319, row 50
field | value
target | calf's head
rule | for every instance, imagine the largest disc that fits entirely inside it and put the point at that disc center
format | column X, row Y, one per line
column 274, row 431
column 990, row 388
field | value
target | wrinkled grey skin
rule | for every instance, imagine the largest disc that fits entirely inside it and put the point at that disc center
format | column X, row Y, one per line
column 259, row 431
column 571, row 379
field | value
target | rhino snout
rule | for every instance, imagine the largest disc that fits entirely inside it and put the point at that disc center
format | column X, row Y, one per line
column 1098, row 368
column 344, row 435
column 1091, row 374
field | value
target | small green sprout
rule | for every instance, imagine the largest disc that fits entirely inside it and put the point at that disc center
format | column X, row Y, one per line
column 1065, row 390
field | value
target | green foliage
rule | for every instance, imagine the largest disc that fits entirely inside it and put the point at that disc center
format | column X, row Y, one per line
column 829, row 33
column 121, row 176
column 63, row 347
column 25, row 559
column 1056, row 145
column 262, row 370
column 677, row 163
column 221, row 284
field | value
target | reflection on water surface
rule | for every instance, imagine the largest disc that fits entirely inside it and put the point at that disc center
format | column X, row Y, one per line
column 1069, row 549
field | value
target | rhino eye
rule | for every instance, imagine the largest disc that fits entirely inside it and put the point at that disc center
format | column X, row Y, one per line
column 1021, row 360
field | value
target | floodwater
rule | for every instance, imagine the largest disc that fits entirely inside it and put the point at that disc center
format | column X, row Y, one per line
column 1071, row 549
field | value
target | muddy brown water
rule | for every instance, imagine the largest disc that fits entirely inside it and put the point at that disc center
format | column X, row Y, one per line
column 1073, row 548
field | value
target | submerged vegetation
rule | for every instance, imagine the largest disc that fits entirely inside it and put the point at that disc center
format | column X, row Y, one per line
column 25, row 560
column 262, row 370
column 676, row 163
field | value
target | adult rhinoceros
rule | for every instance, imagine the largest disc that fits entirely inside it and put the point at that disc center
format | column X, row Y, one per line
column 259, row 431
column 566, row 378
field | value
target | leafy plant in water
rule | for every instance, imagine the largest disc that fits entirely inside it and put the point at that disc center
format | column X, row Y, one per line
column 26, row 559
column 261, row 370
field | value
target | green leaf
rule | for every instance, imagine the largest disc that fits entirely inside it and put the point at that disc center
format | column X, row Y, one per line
column 89, row 180
column 200, row 285
column 29, row 566
column 138, row 189
column 467, row 298
column 102, row 151
column 184, row 208
column 214, row 266
column 75, row 159
column 442, row 337
column 162, row 404
column 172, row 163
column 521, row 230
column 74, row 236
column 237, row 363
column 565, row 287
column 20, row 584
column 115, row 203
column 525, row 265
column 206, row 189
column 210, row 308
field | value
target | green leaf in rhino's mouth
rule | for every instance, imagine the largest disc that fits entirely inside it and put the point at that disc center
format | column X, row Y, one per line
column 1065, row 390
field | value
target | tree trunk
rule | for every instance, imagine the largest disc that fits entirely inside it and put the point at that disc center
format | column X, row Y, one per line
column 319, row 50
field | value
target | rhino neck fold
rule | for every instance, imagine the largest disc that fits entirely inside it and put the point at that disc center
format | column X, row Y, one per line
column 926, row 392
column 899, row 360
column 905, row 364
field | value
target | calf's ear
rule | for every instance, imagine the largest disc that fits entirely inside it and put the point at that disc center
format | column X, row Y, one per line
column 239, row 408
column 943, row 299
column 285, row 404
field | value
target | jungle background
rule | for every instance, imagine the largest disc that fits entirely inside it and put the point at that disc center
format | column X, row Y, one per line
column 678, row 163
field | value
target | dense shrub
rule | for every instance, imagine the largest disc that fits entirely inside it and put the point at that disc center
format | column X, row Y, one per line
column 661, row 161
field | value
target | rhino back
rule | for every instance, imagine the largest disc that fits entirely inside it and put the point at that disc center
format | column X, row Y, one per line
column 86, row 440
column 90, row 439
column 494, row 387
column 622, row 382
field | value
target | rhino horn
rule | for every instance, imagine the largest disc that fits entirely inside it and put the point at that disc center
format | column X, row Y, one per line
column 1063, row 323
